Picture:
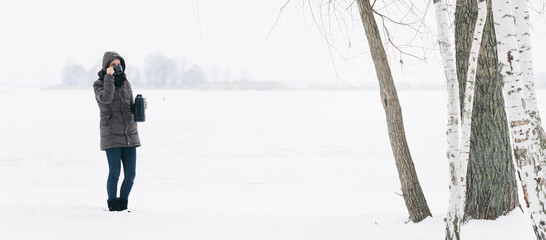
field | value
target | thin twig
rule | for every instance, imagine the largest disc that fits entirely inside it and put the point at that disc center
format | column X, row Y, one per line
column 276, row 21
column 198, row 16
column 389, row 39
column 395, row 22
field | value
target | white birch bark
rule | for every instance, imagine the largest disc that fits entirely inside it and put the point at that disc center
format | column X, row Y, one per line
column 447, row 51
column 455, row 216
column 526, row 152
column 523, row 31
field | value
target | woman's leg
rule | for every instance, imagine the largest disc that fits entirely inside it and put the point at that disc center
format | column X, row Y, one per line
column 114, row 163
column 128, row 158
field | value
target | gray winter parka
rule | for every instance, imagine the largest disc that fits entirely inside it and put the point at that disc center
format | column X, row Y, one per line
column 117, row 125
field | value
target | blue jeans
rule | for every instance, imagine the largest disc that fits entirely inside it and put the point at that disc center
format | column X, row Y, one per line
column 116, row 157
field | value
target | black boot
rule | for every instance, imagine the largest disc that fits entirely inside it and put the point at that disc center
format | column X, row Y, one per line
column 113, row 205
column 122, row 204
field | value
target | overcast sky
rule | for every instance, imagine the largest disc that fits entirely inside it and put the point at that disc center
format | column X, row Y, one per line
column 40, row 37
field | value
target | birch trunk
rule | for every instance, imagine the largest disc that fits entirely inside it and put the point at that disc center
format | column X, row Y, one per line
column 526, row 152
column 523, row 31
column 411, row 189
column 447, row 51
column 455, row 214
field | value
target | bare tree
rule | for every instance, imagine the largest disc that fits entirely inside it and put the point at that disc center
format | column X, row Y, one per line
column 411, row 189
column 527, row 133
column 447, row 51
column 523, row 31
column 491, row 181
column 458, row 166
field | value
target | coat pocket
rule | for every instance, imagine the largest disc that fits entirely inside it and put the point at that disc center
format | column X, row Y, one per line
column 105, row 120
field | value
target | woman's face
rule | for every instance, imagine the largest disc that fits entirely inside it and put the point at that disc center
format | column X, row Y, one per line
column 114, row 62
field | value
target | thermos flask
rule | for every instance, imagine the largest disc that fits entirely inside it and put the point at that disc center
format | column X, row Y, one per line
column 140, row 108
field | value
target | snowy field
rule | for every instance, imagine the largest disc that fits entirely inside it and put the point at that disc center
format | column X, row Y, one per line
column 244, row 165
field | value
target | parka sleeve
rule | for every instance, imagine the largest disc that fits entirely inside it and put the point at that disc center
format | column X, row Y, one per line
column 132, row 100
column 104, row 90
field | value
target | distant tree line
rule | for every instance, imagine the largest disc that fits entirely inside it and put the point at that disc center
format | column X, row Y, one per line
column 157, row 71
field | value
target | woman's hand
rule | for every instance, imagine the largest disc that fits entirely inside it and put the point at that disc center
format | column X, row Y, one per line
column 110, row 70
column 145, row 103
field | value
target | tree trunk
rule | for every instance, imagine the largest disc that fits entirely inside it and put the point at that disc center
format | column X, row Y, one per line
column 447, row 51
column 529, row 155
column 523, row 30
column 411, row 189
column 491, row 186
column 466, row 13
column 455, row 216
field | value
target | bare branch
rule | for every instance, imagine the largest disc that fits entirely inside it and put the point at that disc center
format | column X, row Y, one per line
column 395, row 22
column 330, row 46
column 388, row 37
column 351, row 4
column 198, row 16
column 336, row 15
column 373, row 4
column 276, row 21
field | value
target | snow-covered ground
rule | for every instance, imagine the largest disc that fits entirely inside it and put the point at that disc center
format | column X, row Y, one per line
column 228, row 165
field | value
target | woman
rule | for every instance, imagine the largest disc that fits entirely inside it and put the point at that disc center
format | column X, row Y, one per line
column 118, row 130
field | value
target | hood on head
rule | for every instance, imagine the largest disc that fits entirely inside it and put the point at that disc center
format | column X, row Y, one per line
column 108, row 57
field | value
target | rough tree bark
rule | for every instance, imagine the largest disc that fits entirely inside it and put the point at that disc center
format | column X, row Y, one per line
column 528, row 154
column 411, row 189
column 491, row 186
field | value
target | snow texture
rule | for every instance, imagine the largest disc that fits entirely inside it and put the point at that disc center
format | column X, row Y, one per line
column 229, row 165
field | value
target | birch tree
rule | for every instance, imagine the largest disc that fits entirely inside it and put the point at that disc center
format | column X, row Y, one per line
column 411, row 189
column 459, row 163
column 524, row 129
column 447, row 51
column 523, row 27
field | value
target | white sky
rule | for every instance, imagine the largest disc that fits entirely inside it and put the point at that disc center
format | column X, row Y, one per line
column 40, row 37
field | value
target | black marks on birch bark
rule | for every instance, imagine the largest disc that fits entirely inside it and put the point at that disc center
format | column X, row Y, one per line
column 510, row 58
